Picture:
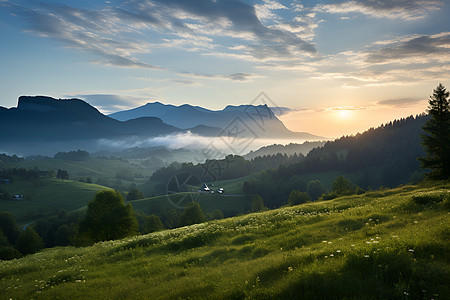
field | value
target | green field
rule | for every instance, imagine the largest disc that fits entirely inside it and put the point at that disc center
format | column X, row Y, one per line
column 46, row 196
column 390, row 244
column 233, row 204
column 232, row 201
column 93, row 167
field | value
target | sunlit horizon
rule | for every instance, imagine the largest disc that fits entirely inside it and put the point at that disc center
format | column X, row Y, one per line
column 339, row 67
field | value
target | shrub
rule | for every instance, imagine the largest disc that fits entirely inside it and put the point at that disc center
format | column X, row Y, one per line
column 193, row 241
column 296, row 197
column 192, row 214
column 350, row 224
column 65, row 276
column 134, row 194
column 29, row 241
column 259, row 252
column 430, row 198
column 243, row 239
column 8, row 252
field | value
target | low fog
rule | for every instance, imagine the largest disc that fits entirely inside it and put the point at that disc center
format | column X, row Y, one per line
column 208, row 147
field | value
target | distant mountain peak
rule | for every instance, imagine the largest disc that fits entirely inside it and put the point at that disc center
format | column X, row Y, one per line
column 46, row 104
column 258, row 120
column 148, row 104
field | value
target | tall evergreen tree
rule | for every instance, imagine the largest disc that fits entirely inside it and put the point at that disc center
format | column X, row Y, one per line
column 437, row 139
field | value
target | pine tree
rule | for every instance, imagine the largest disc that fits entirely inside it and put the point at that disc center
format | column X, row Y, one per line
column 437, row 139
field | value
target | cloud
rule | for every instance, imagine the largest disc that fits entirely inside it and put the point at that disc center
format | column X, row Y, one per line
column 117, row 35
column 99, row 33
column 264, row 11
column 403, row 102
column 403, row 60
column 239, row 20
column 338, row 108
column 418, row 48
column 188, row 140
column 234, row 77
column 280, row 111
column 109, row 103
column 172, row 141
column 398, row 9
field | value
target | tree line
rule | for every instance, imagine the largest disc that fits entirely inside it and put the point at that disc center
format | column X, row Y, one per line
column 107, row 218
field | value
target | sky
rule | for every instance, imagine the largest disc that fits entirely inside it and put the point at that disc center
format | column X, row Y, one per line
column 340, row 67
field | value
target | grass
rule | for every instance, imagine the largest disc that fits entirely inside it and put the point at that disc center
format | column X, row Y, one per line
column 392, row 246
column 94, row 167
column 47, row 195
column 232, row 202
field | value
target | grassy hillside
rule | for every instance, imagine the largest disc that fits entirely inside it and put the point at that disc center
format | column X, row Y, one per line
column 96, row 168
column 391, row 244
column 47, row 195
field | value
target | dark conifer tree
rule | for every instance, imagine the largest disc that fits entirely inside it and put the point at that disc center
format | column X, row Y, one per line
column 437, row 139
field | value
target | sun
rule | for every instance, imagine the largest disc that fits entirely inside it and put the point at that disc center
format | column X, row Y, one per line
column 345, row 113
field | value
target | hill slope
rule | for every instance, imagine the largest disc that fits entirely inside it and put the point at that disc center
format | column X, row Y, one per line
column 47, row 196
column 390, row 244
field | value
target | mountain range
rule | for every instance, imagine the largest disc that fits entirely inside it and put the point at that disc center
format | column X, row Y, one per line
column 41, row 124
column 252, row 120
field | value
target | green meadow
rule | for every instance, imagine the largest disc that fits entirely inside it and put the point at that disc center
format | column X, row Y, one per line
column 93, row 167
column 232, row 201
column 387, row 244
column 47, row 196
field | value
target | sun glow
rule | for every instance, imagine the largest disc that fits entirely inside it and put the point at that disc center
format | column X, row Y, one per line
column 345, row 113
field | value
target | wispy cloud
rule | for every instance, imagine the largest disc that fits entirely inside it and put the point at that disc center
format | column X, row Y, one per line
column 400, row 61
column 100, row 33
column 233, row 76
column 403, row 102
column 187, row 140
column 340, row 108
column 398, row 9
column 417, row 49
column 108, row 103
column 280, row 110
column 119, row 35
